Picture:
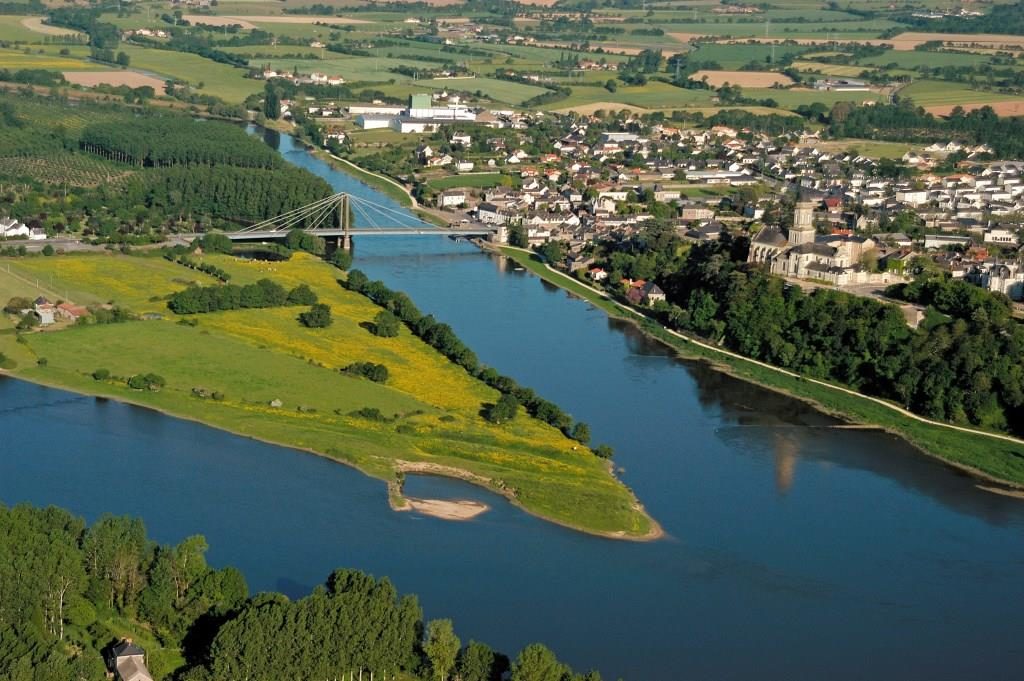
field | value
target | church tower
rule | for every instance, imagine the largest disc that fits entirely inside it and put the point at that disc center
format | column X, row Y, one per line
column 802, row 231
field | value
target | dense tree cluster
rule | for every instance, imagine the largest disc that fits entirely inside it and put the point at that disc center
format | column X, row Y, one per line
column 316, row 317
column 200, row 266
column 378, row 373
column 228, row 192
column 177, row 140
column 964, row 369
column 64, row 582
column 200, row 299
column 442, row 338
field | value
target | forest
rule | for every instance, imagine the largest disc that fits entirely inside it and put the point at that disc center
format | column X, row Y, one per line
column 175, row 141
column 71, row 591
column 965, row 366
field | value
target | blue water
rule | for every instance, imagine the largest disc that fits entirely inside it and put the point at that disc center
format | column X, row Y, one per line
column 795, row 550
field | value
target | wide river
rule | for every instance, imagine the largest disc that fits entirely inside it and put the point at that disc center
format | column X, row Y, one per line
column 794, row 550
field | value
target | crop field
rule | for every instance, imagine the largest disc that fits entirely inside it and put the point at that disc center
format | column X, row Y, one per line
column 221, row 80
column 734, row 56
column 794, row 97
column 929, row 93
column 654, row 95
column 829, row 69
column 431, row 405
column 742, row 78
column 76, row 170
column 115, row 78
column 13, row 28
column 915, row 58
column 781, row 31
column 13, row 59
column 500, row 90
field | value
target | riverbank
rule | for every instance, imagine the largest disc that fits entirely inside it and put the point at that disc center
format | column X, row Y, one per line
column 990, row 457
column 280, row 383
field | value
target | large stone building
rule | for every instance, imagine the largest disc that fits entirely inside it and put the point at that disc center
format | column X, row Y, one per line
column 803, row 254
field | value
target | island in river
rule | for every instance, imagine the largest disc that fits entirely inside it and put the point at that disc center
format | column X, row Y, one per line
column 259, row 372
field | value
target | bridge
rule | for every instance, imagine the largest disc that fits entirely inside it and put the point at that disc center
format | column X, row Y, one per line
column 333, row 217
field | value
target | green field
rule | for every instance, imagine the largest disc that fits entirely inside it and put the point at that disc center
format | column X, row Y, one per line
column 474, row 181
column 911, row 59
column 653, row 95
column 500, row 90
column 732, row 57
column 17, row 59
column 220, row 80
column 255, row 356
column 936, row 93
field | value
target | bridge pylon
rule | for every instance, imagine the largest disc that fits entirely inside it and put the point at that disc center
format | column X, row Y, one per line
column 345, row 223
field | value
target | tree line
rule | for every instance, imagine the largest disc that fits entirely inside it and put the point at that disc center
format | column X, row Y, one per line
column 442, row 338
column 65, row 583
column 176, row 140
column 264, row 293
column 967, row 367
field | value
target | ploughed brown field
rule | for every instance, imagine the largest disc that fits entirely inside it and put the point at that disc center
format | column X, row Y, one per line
column 115, row 78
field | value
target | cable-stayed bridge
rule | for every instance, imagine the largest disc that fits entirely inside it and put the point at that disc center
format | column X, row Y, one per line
column 333, row 217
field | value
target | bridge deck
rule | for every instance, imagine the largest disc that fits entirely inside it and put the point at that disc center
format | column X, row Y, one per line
column 397, row 231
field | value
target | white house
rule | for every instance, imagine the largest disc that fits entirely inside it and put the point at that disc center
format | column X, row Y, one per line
column 128, row 662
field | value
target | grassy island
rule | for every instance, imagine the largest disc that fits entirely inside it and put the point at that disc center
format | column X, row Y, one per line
column 260, row 373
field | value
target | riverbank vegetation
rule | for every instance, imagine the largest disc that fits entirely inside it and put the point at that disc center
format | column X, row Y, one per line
column 283, row 382
column 72, row 591
column 988, row 457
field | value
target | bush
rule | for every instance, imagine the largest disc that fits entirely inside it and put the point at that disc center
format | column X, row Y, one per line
column 16, row 304
column 503, row 410
column 371, row 414
column 152, row 382
column 216, row 243
column 302, row 295
column 604, row 451
column 378, row 373
column 341, row 259
column 28, row 321
column 48, row 250
column 317, row 317
column 385, row 325
column 101, row 374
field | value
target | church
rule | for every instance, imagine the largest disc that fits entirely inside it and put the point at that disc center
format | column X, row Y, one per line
column 803, row 254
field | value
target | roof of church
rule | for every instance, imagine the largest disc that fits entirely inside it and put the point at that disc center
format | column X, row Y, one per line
column 770, row 236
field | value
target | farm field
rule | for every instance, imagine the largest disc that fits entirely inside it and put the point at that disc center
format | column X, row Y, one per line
column 19, row 28
column 928, row 93
column 221, row 80
column 828, row 69
column 794, row 97
column 73, row 169
column 736, row 55
column 915, row 58
column 654, row 95
column 14, row 59
column 869, row 148
column 742, row 78
column 115, row 78
column 501, row 90
column 430, row 405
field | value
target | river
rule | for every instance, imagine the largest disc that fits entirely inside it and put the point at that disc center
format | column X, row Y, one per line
column 794, row 550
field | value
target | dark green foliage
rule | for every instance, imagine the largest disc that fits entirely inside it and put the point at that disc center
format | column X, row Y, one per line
column 101, row 374
column 271, row 102
column 205, row 267
column 580, row 432
column 28, row 321
column 48, row 250
column 227, row 192
column 58, row 577
column 503, row 410
column 200, row 299
column 378, row 373
column 385, row 324
column 604, row 451
column 152, row 382
column 317, row 317
column 216, row 243
column 302, row 295
column 341, row 259
column 370, row 414
column 353, row 622
column 17, row 304
column 161, row 141
column 538, row 663
column 477, row 662
column 966, row 371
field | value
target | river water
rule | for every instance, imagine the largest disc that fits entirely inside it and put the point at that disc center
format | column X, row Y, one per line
column 794, row 550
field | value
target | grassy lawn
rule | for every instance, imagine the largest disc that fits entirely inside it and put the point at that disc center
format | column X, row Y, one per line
column 475, row 181
column 792, row 98
column 913, row 58
column 500, row 90
column 1000, row 459
column 255, row 356
column 736, row 56
column 869, row 148
column 653, row 95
